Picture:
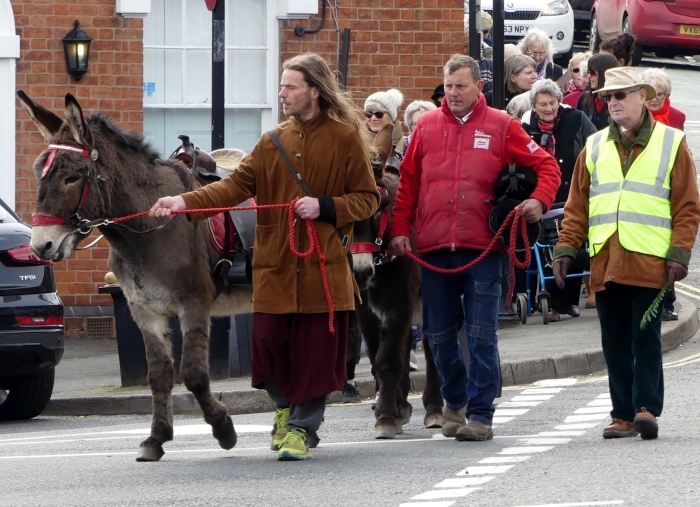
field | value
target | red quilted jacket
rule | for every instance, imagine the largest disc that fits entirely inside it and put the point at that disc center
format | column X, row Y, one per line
column 449, row 171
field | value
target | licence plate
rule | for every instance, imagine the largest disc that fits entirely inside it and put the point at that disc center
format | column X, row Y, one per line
column 690, row 30
column 516, row 29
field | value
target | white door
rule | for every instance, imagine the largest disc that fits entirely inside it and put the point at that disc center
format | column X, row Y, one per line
column 9, row 52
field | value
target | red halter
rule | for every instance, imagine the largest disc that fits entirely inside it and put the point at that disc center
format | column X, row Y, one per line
column 48, row 165
column 376, row 247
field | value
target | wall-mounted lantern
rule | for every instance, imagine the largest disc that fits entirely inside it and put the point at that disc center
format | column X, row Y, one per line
column 77, row 49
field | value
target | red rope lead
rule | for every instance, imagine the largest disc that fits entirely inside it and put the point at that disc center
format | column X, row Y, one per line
column 315, row 245
column 519, row 227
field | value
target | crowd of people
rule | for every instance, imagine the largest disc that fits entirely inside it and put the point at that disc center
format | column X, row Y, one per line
column 604, row 142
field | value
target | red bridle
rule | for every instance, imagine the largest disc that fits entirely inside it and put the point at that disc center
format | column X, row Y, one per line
column 75, row 219
column 376, row 247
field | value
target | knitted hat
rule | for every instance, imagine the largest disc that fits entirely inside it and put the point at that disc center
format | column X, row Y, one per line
column 486, row 21
column 388, row 101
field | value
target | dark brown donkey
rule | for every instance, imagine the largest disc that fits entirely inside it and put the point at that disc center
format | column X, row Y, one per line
column 391, row 302
column 92, row 170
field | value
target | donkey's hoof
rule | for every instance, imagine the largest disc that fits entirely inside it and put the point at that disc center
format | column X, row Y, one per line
column 433, row 420
column 385, row 430
column 405, row 414
column 151, row 451
column 227, row 435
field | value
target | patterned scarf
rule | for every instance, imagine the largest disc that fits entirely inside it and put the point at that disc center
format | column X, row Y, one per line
column 548, row 143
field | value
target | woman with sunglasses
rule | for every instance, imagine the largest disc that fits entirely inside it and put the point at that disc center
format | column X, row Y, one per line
column 562, row 132
column 660, row 106
column 578, row 68
column 593, row 106
column 661, row 109
column 537, row 45
column 382, row 108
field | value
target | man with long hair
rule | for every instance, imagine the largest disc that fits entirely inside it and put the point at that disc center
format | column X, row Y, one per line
column 295, row 356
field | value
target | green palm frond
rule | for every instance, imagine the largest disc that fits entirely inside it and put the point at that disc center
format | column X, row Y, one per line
column 653, row 310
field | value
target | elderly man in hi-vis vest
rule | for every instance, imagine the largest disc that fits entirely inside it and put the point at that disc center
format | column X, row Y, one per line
column 634, row 195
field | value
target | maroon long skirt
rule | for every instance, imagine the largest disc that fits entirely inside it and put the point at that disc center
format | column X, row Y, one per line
column 299, row 351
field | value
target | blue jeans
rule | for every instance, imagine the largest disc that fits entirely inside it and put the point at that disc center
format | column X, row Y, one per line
column 443, row 315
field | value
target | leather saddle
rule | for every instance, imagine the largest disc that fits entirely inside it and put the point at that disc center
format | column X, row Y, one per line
column 231, row 233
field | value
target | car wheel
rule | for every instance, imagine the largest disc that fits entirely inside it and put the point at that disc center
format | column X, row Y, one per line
column 594, row 37
column 27, row 395
column 636, row 57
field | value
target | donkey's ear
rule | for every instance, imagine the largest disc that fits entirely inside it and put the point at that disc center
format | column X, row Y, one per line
column 382, row 142
column 48, row 123
column 76, row 121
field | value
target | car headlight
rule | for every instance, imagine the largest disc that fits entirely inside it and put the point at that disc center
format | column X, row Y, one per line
column 556, row 8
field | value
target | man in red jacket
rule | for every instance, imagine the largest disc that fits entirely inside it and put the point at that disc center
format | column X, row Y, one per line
column 446, row 191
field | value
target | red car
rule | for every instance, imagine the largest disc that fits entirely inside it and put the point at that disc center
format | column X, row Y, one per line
column 666, row 27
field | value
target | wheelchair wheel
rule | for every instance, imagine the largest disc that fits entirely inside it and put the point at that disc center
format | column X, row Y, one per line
column 521, row 306
column 544, row 308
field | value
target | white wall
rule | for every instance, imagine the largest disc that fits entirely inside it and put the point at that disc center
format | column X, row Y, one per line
column 9, row 52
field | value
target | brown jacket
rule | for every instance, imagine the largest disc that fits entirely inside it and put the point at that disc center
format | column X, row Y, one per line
column 614, row 263
column 331, row 159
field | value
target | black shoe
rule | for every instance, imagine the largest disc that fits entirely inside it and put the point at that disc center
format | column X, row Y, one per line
column 669, row 315
column 350, row 394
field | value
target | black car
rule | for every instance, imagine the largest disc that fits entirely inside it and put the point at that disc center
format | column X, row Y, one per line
column 31, row 322
column 582, row 18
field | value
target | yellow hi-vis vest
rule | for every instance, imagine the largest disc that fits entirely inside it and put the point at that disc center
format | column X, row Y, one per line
column 638, row 205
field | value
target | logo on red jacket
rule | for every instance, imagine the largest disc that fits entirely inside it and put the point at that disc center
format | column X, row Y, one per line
column 481, row 140
column 532, row 146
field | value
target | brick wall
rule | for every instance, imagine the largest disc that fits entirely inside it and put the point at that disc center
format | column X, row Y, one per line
column 393, row 43
column 112, row 85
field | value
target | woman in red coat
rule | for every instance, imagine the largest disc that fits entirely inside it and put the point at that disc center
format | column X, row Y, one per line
column 662, row 111
column 660, row 106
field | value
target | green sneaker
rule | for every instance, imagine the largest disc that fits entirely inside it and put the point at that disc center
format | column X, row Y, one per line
column 279, row 430
column 294, row 446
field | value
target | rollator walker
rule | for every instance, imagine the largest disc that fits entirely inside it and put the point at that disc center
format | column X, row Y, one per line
column 542, row 255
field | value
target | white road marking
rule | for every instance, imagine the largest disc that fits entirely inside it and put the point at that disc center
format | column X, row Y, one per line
column 427, row 504
column 583, row 418
column 545, row 441
column 593, row 410
column 580, row 426
column 542, row 390
column 603, row 396
column 463, row 482
column 600, row 403
column 436, row 494
column 565, row 432
column 557, row 382
column 517, row 404
column 504, row 459
column 533, row 397
column 501, row 420
column 525, row 450
column 579, row 504
column 512, row 411
column 483, row 470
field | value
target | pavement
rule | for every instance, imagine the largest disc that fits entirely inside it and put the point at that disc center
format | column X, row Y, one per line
column 88, row 378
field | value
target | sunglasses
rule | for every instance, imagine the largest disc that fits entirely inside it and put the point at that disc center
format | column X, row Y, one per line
column 378, row 114
column 617, row 95
column 576, row 70
column 592, row 73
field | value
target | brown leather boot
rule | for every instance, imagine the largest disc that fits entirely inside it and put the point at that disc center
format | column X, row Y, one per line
column 590, row 300
column 645, row 423
column 619, row 429
column 474, row 431
column 452, row 420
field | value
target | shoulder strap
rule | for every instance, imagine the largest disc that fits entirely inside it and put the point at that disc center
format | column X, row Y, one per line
column 276, row 139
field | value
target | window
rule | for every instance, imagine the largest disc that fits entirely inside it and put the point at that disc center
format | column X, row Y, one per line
column 177, row 73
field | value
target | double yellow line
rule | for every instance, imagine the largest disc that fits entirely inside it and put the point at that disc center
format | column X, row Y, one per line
column 687, row 290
